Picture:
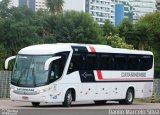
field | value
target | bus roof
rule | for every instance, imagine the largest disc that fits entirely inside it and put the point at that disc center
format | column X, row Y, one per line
column 48, row 49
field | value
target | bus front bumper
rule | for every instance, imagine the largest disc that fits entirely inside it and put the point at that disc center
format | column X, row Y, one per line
column 28, row 96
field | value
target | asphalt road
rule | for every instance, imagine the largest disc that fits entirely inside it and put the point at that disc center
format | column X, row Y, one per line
column 8, row 107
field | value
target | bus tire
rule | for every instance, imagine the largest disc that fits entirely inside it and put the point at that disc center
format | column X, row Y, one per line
column 68, row 99
column 129, row 97
column 35, row 104
column 100, row 102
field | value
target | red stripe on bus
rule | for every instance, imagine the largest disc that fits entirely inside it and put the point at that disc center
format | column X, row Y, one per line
column 99, row 74
column 92, row 49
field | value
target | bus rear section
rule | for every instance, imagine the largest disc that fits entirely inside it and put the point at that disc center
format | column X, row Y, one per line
column 112, row 74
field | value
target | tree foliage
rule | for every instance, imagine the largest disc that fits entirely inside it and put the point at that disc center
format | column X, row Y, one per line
column 127, row 31
column 142, row 35
column 153, row 21
column 76, row 27
column 3, row 54
column 23, row 28
column 4, row 8
column 137, row 34
column 109, row 29
column 55, row 6
column 126, row 28
column 117, row 42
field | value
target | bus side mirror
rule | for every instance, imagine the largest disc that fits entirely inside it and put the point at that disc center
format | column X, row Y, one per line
column 48, row 62
column 7, row 61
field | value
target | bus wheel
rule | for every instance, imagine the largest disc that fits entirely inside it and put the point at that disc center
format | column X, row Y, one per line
column 129, row 97
column 35, row 104
column 68, row 99
column 101, row 102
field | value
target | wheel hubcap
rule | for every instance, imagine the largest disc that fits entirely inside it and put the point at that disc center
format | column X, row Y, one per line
column 69, row 98
column 130, row 96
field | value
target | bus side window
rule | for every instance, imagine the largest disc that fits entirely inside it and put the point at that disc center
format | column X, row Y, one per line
column 54, row 71
column 146, row 63
column 133, row 63
column 106, row 62
column 57, row 66
column 120, row 62
column 91, row 62
column 76, row 62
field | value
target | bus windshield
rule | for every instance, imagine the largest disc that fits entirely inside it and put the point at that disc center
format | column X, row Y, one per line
column 29, row 71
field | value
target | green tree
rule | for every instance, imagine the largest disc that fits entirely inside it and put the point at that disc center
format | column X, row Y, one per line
column 73, row 26
column 109, row 29
column 142, row 35
column 2, row 21
column 4, row 8
column 23, row 27
column 55, row 6
column 3, row 54
column 126, row 29
column 153, row 21
column 3, row 51
column 116, row 42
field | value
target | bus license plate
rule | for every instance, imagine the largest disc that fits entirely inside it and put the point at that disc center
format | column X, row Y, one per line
column 25, row 98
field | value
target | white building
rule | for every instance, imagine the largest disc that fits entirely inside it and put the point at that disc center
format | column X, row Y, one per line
column 100, row 10
column 14, row 3
column 78, row 5
column 142, row 7
column 40, row 4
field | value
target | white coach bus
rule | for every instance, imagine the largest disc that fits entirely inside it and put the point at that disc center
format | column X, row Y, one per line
column 80, row 72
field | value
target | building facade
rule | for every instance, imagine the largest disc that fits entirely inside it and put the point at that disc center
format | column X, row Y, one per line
column 142, row 7
column 78, row 5
column 33, row 4
column 100, row 10
column 119, row 13
column 29, row 3
column 134, row 9
column 158, row 4
column 111, row 10
column 14, row 3
column 40, row 4
column 128, row 12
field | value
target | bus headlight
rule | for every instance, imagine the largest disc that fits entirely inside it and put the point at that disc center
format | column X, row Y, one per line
column 43, row 90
